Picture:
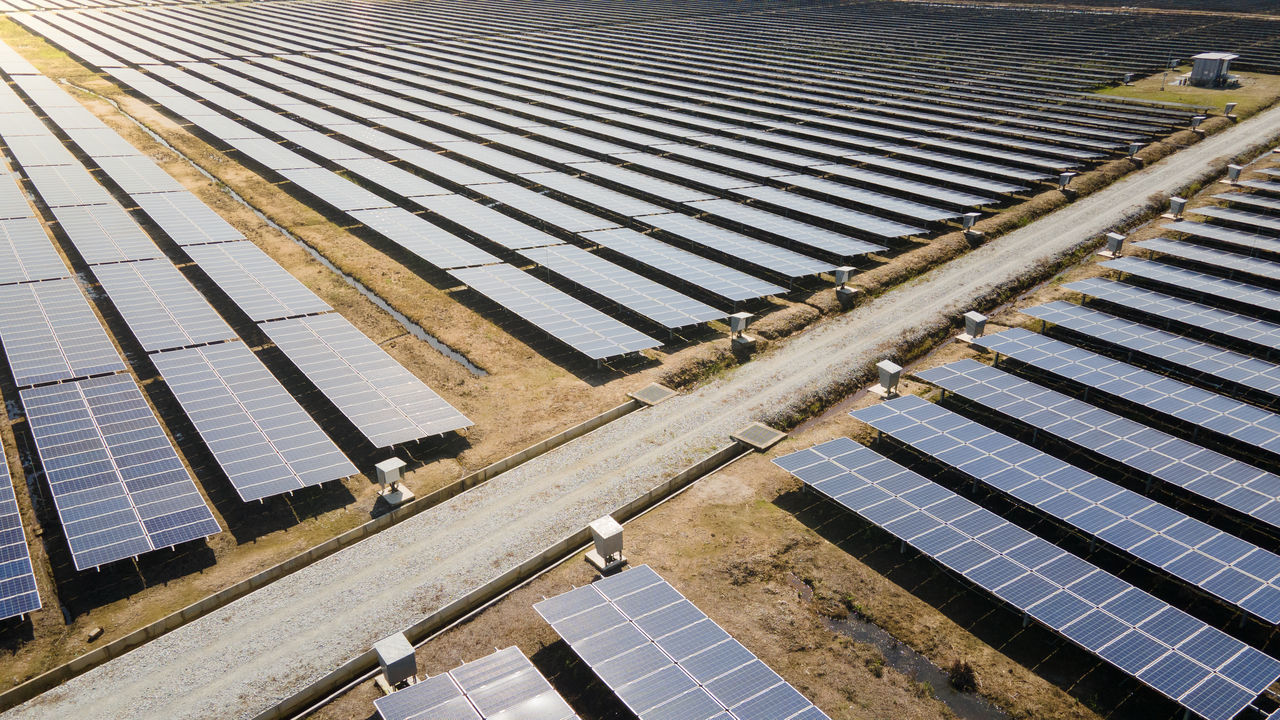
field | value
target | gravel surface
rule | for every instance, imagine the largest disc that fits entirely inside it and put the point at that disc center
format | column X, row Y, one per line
column 242, row 659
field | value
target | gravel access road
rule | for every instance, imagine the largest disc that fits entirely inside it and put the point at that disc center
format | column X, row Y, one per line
column 242, row 659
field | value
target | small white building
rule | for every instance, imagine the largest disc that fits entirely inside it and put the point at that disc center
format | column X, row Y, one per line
column 1211, row 69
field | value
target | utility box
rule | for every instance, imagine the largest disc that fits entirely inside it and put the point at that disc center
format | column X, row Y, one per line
column 975, row 323
column 389, row 478
column 890, row 372
column 607, row 555
column 395, row 656
column 1211, row 69
column 739, row 340
column 1115, row 245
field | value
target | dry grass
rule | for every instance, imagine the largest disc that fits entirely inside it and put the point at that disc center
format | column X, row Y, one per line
column 1257, row 91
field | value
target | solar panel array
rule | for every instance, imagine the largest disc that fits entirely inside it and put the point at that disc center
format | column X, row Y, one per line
column 18, row 592
column 256, row 283
column 105, row 234
column 570, row 321
column 387, row 403
column 160, row 305
column 26, row 255
column 1210, row 287
column 664, row 658
column 1150, row 453
column 1235, row 571
column 261, row 437
column 117, row 483
column 50, row 333
column 1196, row 665
column 1154, row 393
column 504, row 685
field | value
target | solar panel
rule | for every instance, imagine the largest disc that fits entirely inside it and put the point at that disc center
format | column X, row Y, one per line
column 184, row 218
column 785, row 229
column 270, row 154
column 1152, row 392
column 33, row 150
column 1201, row 284
column 18, row 592
column 386, row 403
column 136, row 174
column 118, row 485
column 1248, row 200
column 105, row 234
column 587, row 192
column 160, row 306
column 334, row 190
column 441, row 166
column 1266, row 186
column 1215, row 477
column 630, row 290
column 1185, row 313
column 260, row 436
column 324, row 146
column 1185, row 548
column 13, row 203
column 51, row 333
column 429, row 242
column 1228, row 236
column 747, row 249
column 639, row 182
column 677, row 170
column 917, row 211
column 254, row 282
column 570, row 321
column 901, row 184
column 502, row 685
column 1242, row 217
column 394, row 178
column 60, row 185
column 1181, row 354
column 545, row 209
column 26, row 254
column 794, row 204
column 663, row 657
column 1097, row 611
column 487, row 222
column 693, row 269
column 1213, row 257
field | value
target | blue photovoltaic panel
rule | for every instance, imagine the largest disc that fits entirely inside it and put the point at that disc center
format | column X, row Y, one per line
column 433, row 244
column 502, row 686
column 487, row 222
column 26, row 254
column 1193, row 665
column 565, row 318
column 1187, row 313
column 1208, row 474
column 13, row 203
column 747, row 249
column 630, row 290
column 1222, row 260
column 184, row 218
column 51, row 333
column 663, row 657
column 1257, row 220
column 1227, row 236
column 18, row 593
column 261, row 437
column 785, row 228
column 1201, row 284
column 386, row 402
column 696, row 270
column 1188, row 356
column 116, row 480
column 254, row 282
column 160, row 305
column 1151, row 391
column 105, row 234
column 1238, row 573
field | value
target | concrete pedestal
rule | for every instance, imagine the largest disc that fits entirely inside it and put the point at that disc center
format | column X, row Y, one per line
column 605, row 566
column 397, row 497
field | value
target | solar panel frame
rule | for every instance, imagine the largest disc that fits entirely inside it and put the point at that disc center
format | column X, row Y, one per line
column 388, row 404
column 117, row 483
column 160, row 306
column 50, row 333
column 259, row 435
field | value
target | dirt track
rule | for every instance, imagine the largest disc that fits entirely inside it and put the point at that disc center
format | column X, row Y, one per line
column 243, row 658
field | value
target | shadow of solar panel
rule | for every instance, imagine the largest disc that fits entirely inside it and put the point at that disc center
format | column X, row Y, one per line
column 26, row 254
column 662, row 656
column 1183, row 312
column 160, row 306
column 51, row 333
column 255, row 282
column 434, row 245
column 118, row 485
column 387, row 403
column 630, row 290
column 1094, row 609
column 502, row 685
column 1185, row 355
column 570, row 321
column 693, row 269
column 261, row 437
column 105, row 234
column 185, row 219
column 18, row 592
